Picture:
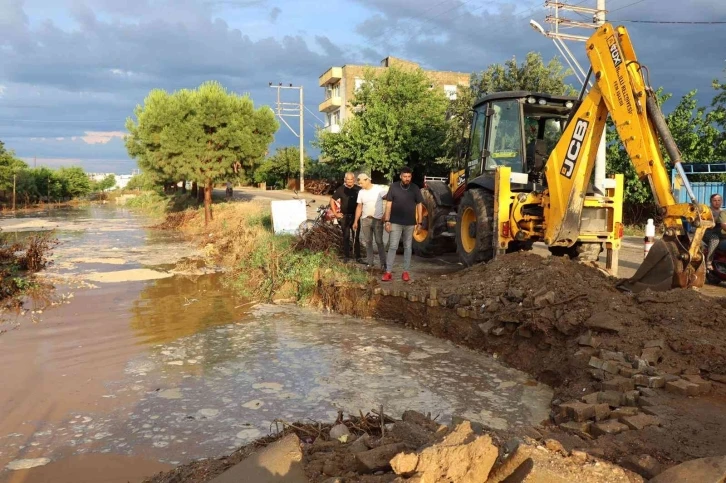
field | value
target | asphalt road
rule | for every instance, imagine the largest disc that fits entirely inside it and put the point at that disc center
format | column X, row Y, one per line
column 631, row 251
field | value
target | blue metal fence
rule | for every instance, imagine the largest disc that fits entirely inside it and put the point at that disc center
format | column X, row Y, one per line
column 702, row 189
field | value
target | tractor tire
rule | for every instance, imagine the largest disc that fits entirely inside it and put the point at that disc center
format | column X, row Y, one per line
column 475, row 227
column 579, row 252
column 429, row 242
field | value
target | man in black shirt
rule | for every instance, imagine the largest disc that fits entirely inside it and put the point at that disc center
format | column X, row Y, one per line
column 403, row 215
column 347, row 195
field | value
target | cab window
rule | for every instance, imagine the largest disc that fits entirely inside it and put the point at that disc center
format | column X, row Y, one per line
column 505, row 137
column 478, row 134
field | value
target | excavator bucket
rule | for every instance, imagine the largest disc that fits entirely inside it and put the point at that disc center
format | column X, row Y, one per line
column 663, row 269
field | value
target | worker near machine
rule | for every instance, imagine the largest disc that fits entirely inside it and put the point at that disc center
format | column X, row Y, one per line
column 714, row 236
column 403, row 215
column 369, row 214
column 347, row 196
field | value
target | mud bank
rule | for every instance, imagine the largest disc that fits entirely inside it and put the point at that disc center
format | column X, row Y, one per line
column 632, row 374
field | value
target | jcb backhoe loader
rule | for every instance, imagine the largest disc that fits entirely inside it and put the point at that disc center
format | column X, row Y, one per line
column 529, row 163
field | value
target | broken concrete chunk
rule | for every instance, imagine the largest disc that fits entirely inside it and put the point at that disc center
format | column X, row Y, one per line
column 580, row 429
column 652, row 355
column 578, row 411
column 618, row 383
column 379, row 458
column 640, row 380
column 339, row 430
column 656, row 382
column 596, row 362
column 613, row 398
column 588, row 340
column 640, row 421
column 591, row 398
column 412, row 434
column 624, row 411
column 628, row 371
column 360, row 444
column 682, row 387
column 704, row 387
column 486, row 327
column 631, row 398
column 612, row 356
column 660, row 343
column 461, row 456
column 611, row 367
column 610, row 426
column 645, row 465
column 702, row 470
column 283, row 457
column 415, row 417
column 603, row 322
column 542, row 300
column 602, row 412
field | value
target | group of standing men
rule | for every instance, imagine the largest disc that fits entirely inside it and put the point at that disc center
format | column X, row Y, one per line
column 368, row 209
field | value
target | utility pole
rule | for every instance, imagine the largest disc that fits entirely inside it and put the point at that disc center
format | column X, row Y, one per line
column 15, row 176
column 598, row 18
column 599, row 181
column 293, row 109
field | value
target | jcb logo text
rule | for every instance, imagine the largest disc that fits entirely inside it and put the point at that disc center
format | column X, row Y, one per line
column 573, row 150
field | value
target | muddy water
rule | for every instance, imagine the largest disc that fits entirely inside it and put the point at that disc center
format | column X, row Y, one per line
column 140, row 368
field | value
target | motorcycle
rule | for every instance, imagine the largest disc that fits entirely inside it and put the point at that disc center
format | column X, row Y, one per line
column 718, row 273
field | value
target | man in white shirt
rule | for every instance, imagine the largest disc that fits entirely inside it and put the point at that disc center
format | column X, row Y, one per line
column 369, row 213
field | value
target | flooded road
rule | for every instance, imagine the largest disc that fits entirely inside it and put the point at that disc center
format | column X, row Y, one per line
column 142, row 367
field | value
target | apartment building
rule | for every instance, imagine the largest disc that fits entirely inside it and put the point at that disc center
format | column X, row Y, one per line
column 340, row 83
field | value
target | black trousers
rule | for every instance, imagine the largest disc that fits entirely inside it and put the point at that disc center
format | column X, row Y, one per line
column 347, row 224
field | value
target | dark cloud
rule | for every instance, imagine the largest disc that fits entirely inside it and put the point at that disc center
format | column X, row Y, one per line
column 467, row 37
column 87, row 70
column 274, row 14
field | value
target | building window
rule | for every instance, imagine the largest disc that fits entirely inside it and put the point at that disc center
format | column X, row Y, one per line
column 335, row 118
column 450, row 91
column 332, row 91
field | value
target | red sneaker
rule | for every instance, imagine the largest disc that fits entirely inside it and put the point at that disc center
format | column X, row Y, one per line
column 387, row 277
column 405, row 277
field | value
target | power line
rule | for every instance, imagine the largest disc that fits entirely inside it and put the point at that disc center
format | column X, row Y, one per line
column 683, row 22
column 626, row 6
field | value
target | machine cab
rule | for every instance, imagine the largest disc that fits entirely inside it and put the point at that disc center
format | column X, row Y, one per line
column 517, row 129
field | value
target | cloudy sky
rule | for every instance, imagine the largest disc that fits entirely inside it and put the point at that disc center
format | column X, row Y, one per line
column 71, row 71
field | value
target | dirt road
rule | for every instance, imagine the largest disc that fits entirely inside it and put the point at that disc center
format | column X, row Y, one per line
column 631, row 252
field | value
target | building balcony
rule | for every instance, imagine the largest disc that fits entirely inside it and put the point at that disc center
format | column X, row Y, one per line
column 330, row 104
column 331, row 76
column 334, row 128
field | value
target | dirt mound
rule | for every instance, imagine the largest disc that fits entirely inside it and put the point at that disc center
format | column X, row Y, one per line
column 565, row 302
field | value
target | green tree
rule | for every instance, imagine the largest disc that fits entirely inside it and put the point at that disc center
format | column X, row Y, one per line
column 10, row 166
column 531, row 75
column 281, row 166
column 74, row 182
column 108, row 182
column 397, row 120
column 205, row 135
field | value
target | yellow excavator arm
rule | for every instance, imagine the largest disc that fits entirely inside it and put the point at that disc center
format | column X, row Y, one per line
column 620, row 90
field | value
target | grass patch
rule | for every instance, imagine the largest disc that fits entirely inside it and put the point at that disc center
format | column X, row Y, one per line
column 157, row 205
column 264, row 266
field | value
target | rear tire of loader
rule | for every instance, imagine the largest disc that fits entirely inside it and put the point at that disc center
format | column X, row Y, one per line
column 475, row 227
column 428, row 242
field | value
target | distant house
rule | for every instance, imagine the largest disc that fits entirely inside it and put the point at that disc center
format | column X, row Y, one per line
column 121, row 179
column 340, row 83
